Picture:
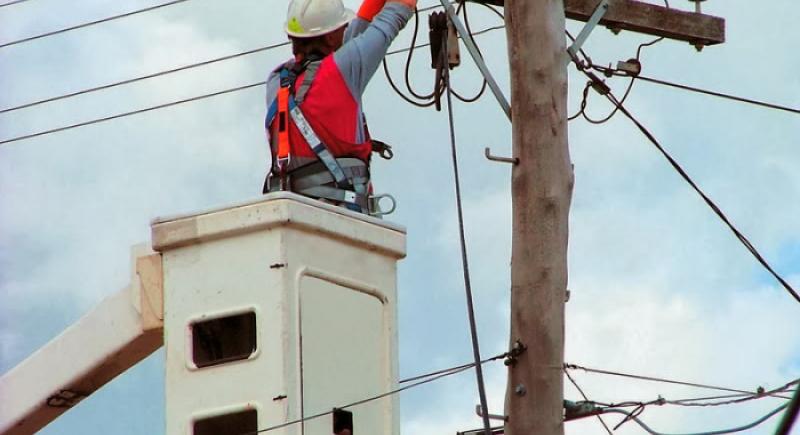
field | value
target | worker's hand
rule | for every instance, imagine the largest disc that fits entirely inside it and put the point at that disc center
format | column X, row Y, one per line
column 412, row 4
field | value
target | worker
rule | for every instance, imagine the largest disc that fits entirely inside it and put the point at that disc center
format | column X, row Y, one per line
column 315, row 125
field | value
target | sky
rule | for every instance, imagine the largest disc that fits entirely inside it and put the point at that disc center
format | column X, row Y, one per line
column 658, row 285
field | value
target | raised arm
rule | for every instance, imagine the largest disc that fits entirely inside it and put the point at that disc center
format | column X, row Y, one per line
column 367, row 42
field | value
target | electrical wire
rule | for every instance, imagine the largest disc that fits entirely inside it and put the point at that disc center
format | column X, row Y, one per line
column 608, row 71
column 356, row 403
column 720, row 95
column 760, row 394
column 173, row 103
column 580, row 390
column 411, row 100
column 464, row 261
column 426, row 379
column 91, row 23
column 463, row 8
column 144, row 77
column 154, row 75
column 714, row 400
column 656, row 379
column 12, row 3
column 711, row 204
column 788, row 420
column 423, row 100
column 462, row 366
column 632, row 417
column 133, row 112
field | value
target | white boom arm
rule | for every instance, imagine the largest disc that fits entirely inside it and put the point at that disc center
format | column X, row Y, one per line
column 118, row 333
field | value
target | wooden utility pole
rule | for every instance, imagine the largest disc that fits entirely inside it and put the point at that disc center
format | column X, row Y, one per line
column 541, row 192
column 542, row 182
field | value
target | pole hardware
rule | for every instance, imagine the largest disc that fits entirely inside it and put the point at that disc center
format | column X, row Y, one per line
column 598, row 85
column 576, row 410
column 66, row 399
column 597, row 15
column 479, row 411
column 488, row 153
column 631, row 67
column 516, row 350
column 520, row 390
column 697, row 8
column 476, row 56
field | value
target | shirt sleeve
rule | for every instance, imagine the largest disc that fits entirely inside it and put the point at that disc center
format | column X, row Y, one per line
column 360, row 56
column 355, row 28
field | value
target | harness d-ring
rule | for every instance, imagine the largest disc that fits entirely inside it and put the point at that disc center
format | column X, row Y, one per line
column 375, row 209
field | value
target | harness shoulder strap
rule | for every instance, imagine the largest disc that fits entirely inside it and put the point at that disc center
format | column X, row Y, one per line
column 310, row 74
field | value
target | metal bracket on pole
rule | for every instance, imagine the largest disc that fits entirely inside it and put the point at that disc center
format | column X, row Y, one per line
column 598, row 14
column 479, row 411
column 488, row 153
column 476, row 56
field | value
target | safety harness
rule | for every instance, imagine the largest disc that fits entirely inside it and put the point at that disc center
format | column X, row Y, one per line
column 343, row 180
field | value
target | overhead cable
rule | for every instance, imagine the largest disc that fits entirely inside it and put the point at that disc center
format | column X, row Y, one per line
column 428, row 378
column 720, row 95
column 160, row 73
column 429, row 99
column 170, row 104
column 608, row 71
column 791, row 416
column 735, row 400
column 133, row 112
column 12, row 3
column 711, row 204
column 473, row 329
column 91, row 23
column 657, row 379
column 144, row 77
column 716, row 432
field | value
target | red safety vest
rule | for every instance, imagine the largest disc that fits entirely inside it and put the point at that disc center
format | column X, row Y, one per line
column 332, row 112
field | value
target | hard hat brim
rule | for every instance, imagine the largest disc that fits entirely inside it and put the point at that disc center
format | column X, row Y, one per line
column 347, row 17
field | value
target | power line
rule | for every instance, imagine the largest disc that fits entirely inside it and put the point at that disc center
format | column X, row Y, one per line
column 449, row 369
column 657, row 379
column 608, row 71
column 720, row 95
column 91, row 23
column 630, row 416
column 791, row 415
column 429, row 99
column 428, row 378
column 160, row 73
column 12, row 3
column 759, row 395
column 443, row 65
column 174, row 103
column 714, row 400
column 144, row 77
column 134, row 112
column 711, row 204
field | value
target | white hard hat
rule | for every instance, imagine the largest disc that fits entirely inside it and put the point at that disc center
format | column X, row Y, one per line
column 309, row 18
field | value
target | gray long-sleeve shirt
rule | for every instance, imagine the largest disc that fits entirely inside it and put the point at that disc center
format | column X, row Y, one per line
column 365, row 45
